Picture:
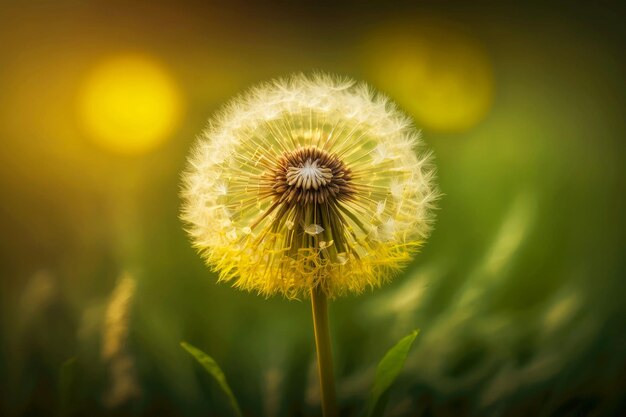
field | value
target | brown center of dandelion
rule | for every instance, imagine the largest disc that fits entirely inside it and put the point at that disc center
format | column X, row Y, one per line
column 310, row 175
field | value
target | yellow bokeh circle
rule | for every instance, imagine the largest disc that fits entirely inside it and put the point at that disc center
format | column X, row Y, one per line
column 438, row 73
column 129, row 104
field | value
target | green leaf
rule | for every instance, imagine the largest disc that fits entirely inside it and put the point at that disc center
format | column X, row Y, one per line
column 213, row 368
column 387, row 371
column 67, row 385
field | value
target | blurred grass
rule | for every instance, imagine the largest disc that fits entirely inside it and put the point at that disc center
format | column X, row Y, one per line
column 519, row 292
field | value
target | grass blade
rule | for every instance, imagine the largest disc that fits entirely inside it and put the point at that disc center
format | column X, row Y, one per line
column 216, row 372
column 387, row 371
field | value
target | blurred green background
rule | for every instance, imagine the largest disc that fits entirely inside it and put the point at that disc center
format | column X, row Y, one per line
column 519, row 292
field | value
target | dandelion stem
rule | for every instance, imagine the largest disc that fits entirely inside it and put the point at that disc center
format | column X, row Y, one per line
column 324, row 356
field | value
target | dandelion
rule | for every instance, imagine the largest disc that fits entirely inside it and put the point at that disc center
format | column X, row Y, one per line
column 309, row 185
column 300, row 162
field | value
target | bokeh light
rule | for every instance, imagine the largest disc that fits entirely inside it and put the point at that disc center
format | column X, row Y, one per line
column 439, row 74
column 129, row 104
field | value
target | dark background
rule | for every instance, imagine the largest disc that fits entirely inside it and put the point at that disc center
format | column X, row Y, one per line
column 519, row 292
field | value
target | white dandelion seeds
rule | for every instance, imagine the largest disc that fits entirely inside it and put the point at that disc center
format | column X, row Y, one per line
column 295, row 164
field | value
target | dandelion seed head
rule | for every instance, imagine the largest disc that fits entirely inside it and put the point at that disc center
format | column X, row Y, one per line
column 308, row 181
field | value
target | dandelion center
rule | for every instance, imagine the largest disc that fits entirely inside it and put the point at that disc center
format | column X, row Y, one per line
column 310, row 175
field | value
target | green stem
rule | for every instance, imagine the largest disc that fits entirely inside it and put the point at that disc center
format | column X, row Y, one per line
column 324, row 356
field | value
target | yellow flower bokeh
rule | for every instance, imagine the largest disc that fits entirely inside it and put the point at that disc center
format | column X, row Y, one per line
column 129, row 105
column 435, row 71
